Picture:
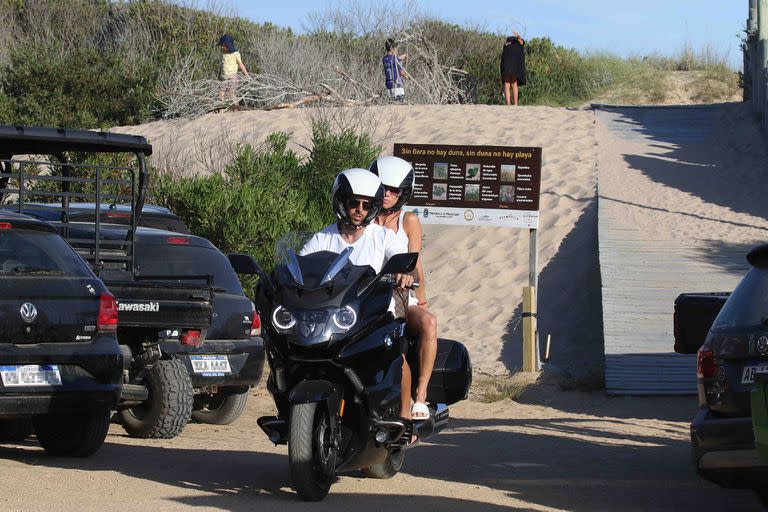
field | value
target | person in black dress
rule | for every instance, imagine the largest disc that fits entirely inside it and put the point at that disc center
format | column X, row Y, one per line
column 513, row 66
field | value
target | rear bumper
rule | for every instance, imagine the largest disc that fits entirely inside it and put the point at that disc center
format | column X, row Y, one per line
column 246, row 361
column 711, row 433
column 91, row 377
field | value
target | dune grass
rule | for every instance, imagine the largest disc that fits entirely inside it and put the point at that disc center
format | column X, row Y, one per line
column 489, row 389
column 689, row 76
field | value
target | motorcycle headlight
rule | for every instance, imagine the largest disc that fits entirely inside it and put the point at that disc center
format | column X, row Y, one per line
column 283, row 319
column 345, row 318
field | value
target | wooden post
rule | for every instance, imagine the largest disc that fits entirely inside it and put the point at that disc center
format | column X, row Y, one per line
column 750, row 54
column 533, row 282
column 530, row 350
column 762, row 54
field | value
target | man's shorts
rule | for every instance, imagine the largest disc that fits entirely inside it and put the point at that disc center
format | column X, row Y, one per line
column 396, row 93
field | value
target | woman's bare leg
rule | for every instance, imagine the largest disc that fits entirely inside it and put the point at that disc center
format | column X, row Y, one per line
column 506, row 91
column 405, row 391
column 424, row 323
column 514, row 91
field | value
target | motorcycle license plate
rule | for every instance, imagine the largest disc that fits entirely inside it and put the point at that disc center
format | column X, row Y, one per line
column 30, row 375
column 748, row 377
column 211, row 366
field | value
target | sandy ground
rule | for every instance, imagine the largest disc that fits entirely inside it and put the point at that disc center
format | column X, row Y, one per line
column 549, row 450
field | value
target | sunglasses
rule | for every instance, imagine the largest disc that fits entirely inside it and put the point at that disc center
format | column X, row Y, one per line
column 393, row 190
column 352, row 204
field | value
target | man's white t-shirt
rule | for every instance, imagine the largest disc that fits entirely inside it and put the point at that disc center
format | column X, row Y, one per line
column 374, row 247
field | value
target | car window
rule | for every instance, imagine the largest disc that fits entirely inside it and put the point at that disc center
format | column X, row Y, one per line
column 748, row 304
column 187, row 260
column 27, row 252
column 165, row 223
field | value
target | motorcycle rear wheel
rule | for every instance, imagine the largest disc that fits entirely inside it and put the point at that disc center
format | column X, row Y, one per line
column 311, row 454
column 387, row 469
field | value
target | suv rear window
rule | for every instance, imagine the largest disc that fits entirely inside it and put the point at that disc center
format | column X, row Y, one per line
column 187, row 260
column 28, row 252
column 748, row 304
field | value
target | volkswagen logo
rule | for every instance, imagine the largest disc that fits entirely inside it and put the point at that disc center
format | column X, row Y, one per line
column 28, row 312
column 762, row 345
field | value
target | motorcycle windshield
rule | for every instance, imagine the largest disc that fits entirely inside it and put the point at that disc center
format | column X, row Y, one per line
column 317, row 291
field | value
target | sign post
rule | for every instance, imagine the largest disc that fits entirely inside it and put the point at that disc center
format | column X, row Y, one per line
column 482, row 186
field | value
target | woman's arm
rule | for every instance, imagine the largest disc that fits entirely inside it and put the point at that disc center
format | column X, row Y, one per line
column 412, row 228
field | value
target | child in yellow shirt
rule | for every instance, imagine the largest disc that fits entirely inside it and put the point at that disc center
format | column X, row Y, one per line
column 230, row 62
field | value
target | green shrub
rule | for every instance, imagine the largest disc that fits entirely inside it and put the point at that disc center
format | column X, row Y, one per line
column 87, row 89
column 264, row 193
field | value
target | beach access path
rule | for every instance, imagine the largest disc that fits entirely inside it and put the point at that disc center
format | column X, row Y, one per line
column 680, row 202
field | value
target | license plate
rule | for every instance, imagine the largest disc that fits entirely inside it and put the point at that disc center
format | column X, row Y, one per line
column 748, row 377
column 30, row 375
column 211, row 365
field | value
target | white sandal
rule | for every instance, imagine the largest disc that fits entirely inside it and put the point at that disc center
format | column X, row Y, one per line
column 419, row 411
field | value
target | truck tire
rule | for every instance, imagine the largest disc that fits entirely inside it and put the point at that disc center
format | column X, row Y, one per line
column 14, row 430
column 72, row 434
column 169, row 406
column 387, row 469
column 222, row 408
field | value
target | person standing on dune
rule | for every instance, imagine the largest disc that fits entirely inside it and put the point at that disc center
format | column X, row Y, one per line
column 394, row 72
column 513, row 67
column 230, row 63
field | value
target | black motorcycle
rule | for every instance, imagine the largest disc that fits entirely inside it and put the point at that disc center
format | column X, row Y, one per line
column 336, row 352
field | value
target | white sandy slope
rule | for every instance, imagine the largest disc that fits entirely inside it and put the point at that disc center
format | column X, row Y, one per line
column 474, row 276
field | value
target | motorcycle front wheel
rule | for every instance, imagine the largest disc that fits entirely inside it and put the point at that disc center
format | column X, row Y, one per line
column 311, row 451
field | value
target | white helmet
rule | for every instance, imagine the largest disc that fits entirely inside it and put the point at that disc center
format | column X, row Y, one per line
column 356, row 182
column 396, row 173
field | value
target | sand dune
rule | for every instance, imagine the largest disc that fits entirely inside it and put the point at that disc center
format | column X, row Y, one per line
column 475, row 276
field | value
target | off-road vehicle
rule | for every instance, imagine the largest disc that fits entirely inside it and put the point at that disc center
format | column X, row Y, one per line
column 61, row 368
column 186, row 328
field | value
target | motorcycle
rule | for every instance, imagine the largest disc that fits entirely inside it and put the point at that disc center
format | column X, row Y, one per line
column 336, row 353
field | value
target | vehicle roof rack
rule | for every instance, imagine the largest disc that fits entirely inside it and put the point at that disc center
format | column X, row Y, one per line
column 31, row 140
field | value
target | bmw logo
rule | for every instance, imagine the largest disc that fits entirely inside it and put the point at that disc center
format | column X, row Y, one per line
column 28, row 312
column 762, row 345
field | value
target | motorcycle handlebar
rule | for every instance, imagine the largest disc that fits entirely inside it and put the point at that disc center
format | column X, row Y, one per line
column 391, row 280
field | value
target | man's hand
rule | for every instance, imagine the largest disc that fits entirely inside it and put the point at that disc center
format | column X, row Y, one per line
column 403, row 281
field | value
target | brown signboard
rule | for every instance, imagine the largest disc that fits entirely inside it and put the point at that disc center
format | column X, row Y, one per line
column 494, row 185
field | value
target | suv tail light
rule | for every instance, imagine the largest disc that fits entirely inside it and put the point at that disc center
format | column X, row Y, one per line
column 5, row 225
column 191, row 337
column 256, row 323
column 179, row 240
column 106, row 321
column 706, row 366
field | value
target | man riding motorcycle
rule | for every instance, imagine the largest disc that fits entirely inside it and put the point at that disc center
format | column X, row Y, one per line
column 357, row 197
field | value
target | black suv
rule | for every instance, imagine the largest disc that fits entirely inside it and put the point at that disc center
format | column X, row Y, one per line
column 60, row 362
column 734, row 350
column 188, row 331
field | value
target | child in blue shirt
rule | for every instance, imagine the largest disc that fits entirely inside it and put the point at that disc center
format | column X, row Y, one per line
column 394, row 72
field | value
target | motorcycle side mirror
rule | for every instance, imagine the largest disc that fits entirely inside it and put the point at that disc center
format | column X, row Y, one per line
column 401, row 263
column 245, row 264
